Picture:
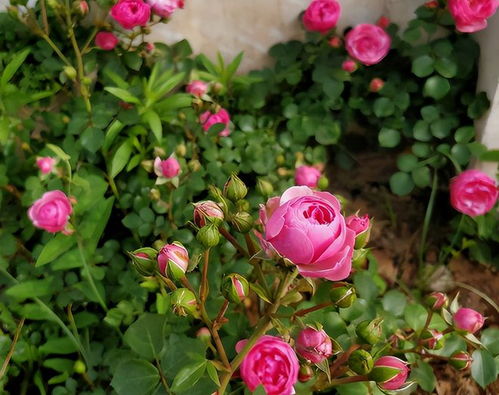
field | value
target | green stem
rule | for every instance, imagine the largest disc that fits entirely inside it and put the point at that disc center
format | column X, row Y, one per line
column 203, row 288
column 479, row 293
column 427, row 219
column 89, row 40
column 11, row 349
column 163, row 378
column 56, row 49
column 257, row 263
column 45, row 22
column 232, row 240
column 453, row 241
column 89, row 276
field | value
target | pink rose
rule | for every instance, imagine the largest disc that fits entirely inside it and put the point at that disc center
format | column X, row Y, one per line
column 164, row 8
column 168, row 168
column 173, row 254
column 45, row 164
column 468, row 320
column 271, row 362
column 197, row 88
column 207, row 211
column 321, row 15
column 106, row 41
column 473, row 193
column 307, row 227
column 208, row 119
column 349, row 65
column 400, row 378
column 131, row 13
column 471, row 15
column 313, row 345
column 367, row 43
column 376, row 85
column 358, row 224
column 308, row 176
column 51, row 212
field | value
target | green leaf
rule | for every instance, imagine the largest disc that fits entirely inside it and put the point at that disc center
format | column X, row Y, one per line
column 483, row 367
column 260, row 292
column 154, row 123
column 415, row 315
column 407, row 162
column 122, row 94
column 490, row 339
column 61, row 345
column 212, row 372
column 421, row 176
column 120, row 158
column 446, row 67
column 32, row 289
column 388, row 138
column 423, row 374
column 13, row 66
column 422, row 66
column 188, row 376
column 92, row 139
column 147, row 335
column 135, row 376
column 133, row 60
column 383, row 107
column 490, row 156
column 394, row 301
column 95, row 222
column 112, row 132
column 422, row 131
column 401, row 183
column 234, row 65
column 54, row 248
column 58, row 151
column 436, row 87
column 59, row 364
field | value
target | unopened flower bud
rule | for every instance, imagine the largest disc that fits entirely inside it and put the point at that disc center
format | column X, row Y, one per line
column 144, row 260
column 436, row 300
column 70, row 71
column 349, row 66
column 376, row 85
column 383, row 22
column 359, row 259
column 432, row 339
column 335, row 42
column 194, row 165
column 360, row 362
column 362, row 228
column 305, row 373
column 390, row 373
column 342, row 294
column 80, row 367
column 242, row 222
column 173, row 260
column 314, row 345
column 207, row 212
column 217, row 88
column 280, row 160
column 243, row 205
column 468, row 320
column 370, row 331
column 203, row 334
column 323, row 183
column 234, row 188
column 235, row 288
column 461, row 360
column 208, row 236
column 431, row 4
column 181, row 150
column 184, row 302
column 264, row 187
column 80, row 7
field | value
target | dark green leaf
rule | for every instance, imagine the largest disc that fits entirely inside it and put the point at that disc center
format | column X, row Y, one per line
column 120, row 158
column 147, row 335
column 422, row 66
column 135, row 376
column 188, row 376
column 436, row 87
column 54, row 248
column 423, row 374
column 389, row 138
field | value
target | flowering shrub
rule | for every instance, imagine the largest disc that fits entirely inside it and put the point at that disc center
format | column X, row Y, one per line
column 152, row 236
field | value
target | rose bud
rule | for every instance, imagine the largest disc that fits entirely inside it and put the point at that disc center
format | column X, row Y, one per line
column 432, row 339
column 235, row 288
column 362, row 228
column 197, row 88
column 204, row 334
column 243, row 205
column 79, row 367
column 360, row 362
column 390, row 373
column 431, row 4
column 80, row 7
column 383, row 22
column 314, row 345
column 307, row 175
column 242, row 222
column 370, row 331
column 468, row 320
column 194, row 165
column 166, row 169
column 131, row 13
column 349, row 65
column 208, row 236
column 473, row 193
column 208, row 119
column 461, row 360
column 150, row 47
column 264, row 187
column 376, row 85
column 51, row 212
column 207, row 212
column 106, row 41
column 342, row 294
column 45, row 164
column 335, row 42
column 181, row 150
column 184, row 302
column 70, row 72
column 436, row 300
column 323, row 183
column 144, row 260
column 173, row 260
column 234, row 188
column 321, row 15
column 305, row 373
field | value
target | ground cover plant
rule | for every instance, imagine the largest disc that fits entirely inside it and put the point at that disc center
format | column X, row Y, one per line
column 168, row 225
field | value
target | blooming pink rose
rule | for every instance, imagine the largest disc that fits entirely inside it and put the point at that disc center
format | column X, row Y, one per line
column 208, row 119
column 308, row 176
column 51, row 212
column 207, row 210
column 164, row 8
column 358, row 224
column 131, row 13
column 321, row 15
column 175, row 254
column 167, row 168
column 45, row 164
column 106, row 41
column 399, row 380
column 468, row 320
column 272, row 363
column 307, row 227
column 349, row 65
column 473, row 193
column 471, row 15
column 367, row 43
column 197, row 88
column 313, row 345
column 376, row 85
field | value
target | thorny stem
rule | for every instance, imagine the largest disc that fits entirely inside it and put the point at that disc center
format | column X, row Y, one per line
column 301, row 313
column 11, row 349
column 232, row 240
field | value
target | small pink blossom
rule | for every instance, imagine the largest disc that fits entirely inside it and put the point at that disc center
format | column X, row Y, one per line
column 376, row 85
column 358, row 224
column 471, row 15
column 349, row 65
column 51, row 212
column 167, row 168
column 197, row 88
column 208, row 119
column 45, row 164
column 307, row 175
column 106, row 41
